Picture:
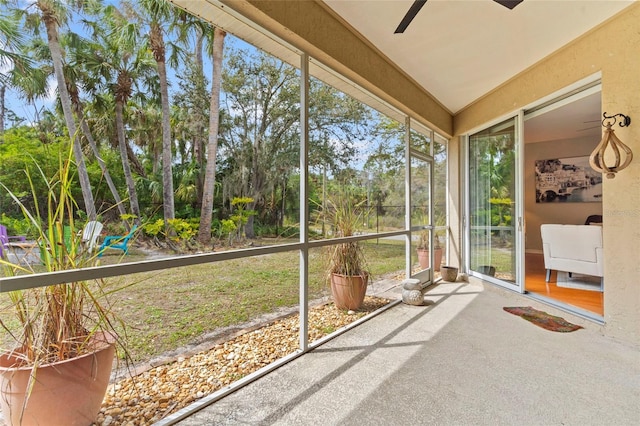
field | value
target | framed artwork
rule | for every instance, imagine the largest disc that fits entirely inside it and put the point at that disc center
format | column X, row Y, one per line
column 570, row 180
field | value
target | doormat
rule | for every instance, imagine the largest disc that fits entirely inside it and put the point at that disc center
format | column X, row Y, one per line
column 543, row 319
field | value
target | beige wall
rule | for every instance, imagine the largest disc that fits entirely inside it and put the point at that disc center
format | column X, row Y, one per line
column 538, row 213
column 613, row 49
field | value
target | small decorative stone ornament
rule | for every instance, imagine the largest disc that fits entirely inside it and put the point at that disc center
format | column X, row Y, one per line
column 413, row 291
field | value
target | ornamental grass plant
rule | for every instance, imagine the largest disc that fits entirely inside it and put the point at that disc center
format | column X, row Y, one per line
column 424, row 240
column 345, row 215
column 54, row 323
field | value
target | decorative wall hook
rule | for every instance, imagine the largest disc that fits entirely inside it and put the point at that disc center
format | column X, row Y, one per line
column 609, row 139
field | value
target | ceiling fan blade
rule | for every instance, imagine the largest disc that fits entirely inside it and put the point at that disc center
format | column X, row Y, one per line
column 509, row 3
column 413, row 11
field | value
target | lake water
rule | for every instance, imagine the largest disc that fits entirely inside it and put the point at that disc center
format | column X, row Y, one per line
column 591, row 194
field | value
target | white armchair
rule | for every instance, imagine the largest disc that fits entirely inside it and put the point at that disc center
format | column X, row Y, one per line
column 572, row 248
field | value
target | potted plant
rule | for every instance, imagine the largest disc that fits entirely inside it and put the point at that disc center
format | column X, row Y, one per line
column 422, row 249
column 347, row 273
column 56, row 368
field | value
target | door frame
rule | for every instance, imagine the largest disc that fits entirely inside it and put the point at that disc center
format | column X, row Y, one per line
column 519, row 225
column 425, row 274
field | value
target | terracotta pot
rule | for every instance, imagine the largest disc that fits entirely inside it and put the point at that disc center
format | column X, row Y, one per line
column 449, row 273
column 423, row 258
column 349, row 291
column 65, row 393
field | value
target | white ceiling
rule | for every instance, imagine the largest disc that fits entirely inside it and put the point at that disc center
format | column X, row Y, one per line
column 458, row 50
column 576, row 119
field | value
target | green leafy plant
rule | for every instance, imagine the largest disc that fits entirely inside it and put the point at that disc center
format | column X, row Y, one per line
column 241, row 215
column 154, row 229
column 227, row 227
column 16, row 226
column 182, row 230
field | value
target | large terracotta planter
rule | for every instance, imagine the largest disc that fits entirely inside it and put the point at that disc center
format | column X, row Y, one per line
column 64, row 393
column 423, row 258
column 348, row 291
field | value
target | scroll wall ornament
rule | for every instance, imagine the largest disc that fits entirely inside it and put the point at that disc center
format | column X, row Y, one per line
column 620, row 151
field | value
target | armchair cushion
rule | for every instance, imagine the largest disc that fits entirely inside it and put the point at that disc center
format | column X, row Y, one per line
column 573, row 248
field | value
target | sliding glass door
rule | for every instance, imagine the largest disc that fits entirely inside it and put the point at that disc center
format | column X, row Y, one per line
column 494, row 212
column 425, row 259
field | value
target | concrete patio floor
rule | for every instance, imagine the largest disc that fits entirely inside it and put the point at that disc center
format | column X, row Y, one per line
column 462, row 360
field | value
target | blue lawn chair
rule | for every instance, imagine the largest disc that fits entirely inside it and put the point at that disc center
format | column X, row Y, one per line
column 117, row 242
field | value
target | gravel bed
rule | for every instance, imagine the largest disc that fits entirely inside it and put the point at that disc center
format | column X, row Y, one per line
column 164, row 389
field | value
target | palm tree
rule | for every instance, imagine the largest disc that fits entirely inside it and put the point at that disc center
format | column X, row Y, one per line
column 204, row 233
column 195, row 35
column 80, row 52
column 193, row 99
column 79, row 109
column 11, row 41
column 145, row 118
column 52, row 13
column 158, row 12
column 120, row 58
column 21, row 73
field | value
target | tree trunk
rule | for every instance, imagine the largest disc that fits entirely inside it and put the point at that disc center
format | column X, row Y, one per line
column 249, row 231
column 50, row 20
column 94, row 148
column 157, row 46
column 256, row 187
column 204, row 233
column 122, row 144
column 283, row 204
column 167, row 155
column 3, row 88
column 133, row 159
column 198, row 140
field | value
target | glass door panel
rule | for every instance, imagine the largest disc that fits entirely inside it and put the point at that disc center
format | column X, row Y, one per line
column 493, row 239
column 423, row 253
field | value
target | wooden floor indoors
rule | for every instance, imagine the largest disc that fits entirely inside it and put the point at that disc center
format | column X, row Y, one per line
column 591, row 301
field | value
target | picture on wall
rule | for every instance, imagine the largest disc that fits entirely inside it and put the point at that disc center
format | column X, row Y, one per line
column 567, row 180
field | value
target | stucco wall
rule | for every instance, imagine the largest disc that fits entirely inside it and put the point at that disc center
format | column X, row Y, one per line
column 539, row 213
column 613, row 49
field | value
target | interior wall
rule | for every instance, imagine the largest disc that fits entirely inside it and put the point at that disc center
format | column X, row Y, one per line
column 557, row 212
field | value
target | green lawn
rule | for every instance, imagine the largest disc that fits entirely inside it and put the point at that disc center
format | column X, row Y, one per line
column 167, row 309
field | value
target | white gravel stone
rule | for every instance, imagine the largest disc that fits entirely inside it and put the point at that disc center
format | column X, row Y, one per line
column 165, row 389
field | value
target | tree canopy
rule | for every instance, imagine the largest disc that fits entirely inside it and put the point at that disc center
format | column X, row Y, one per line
column 166, row 123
